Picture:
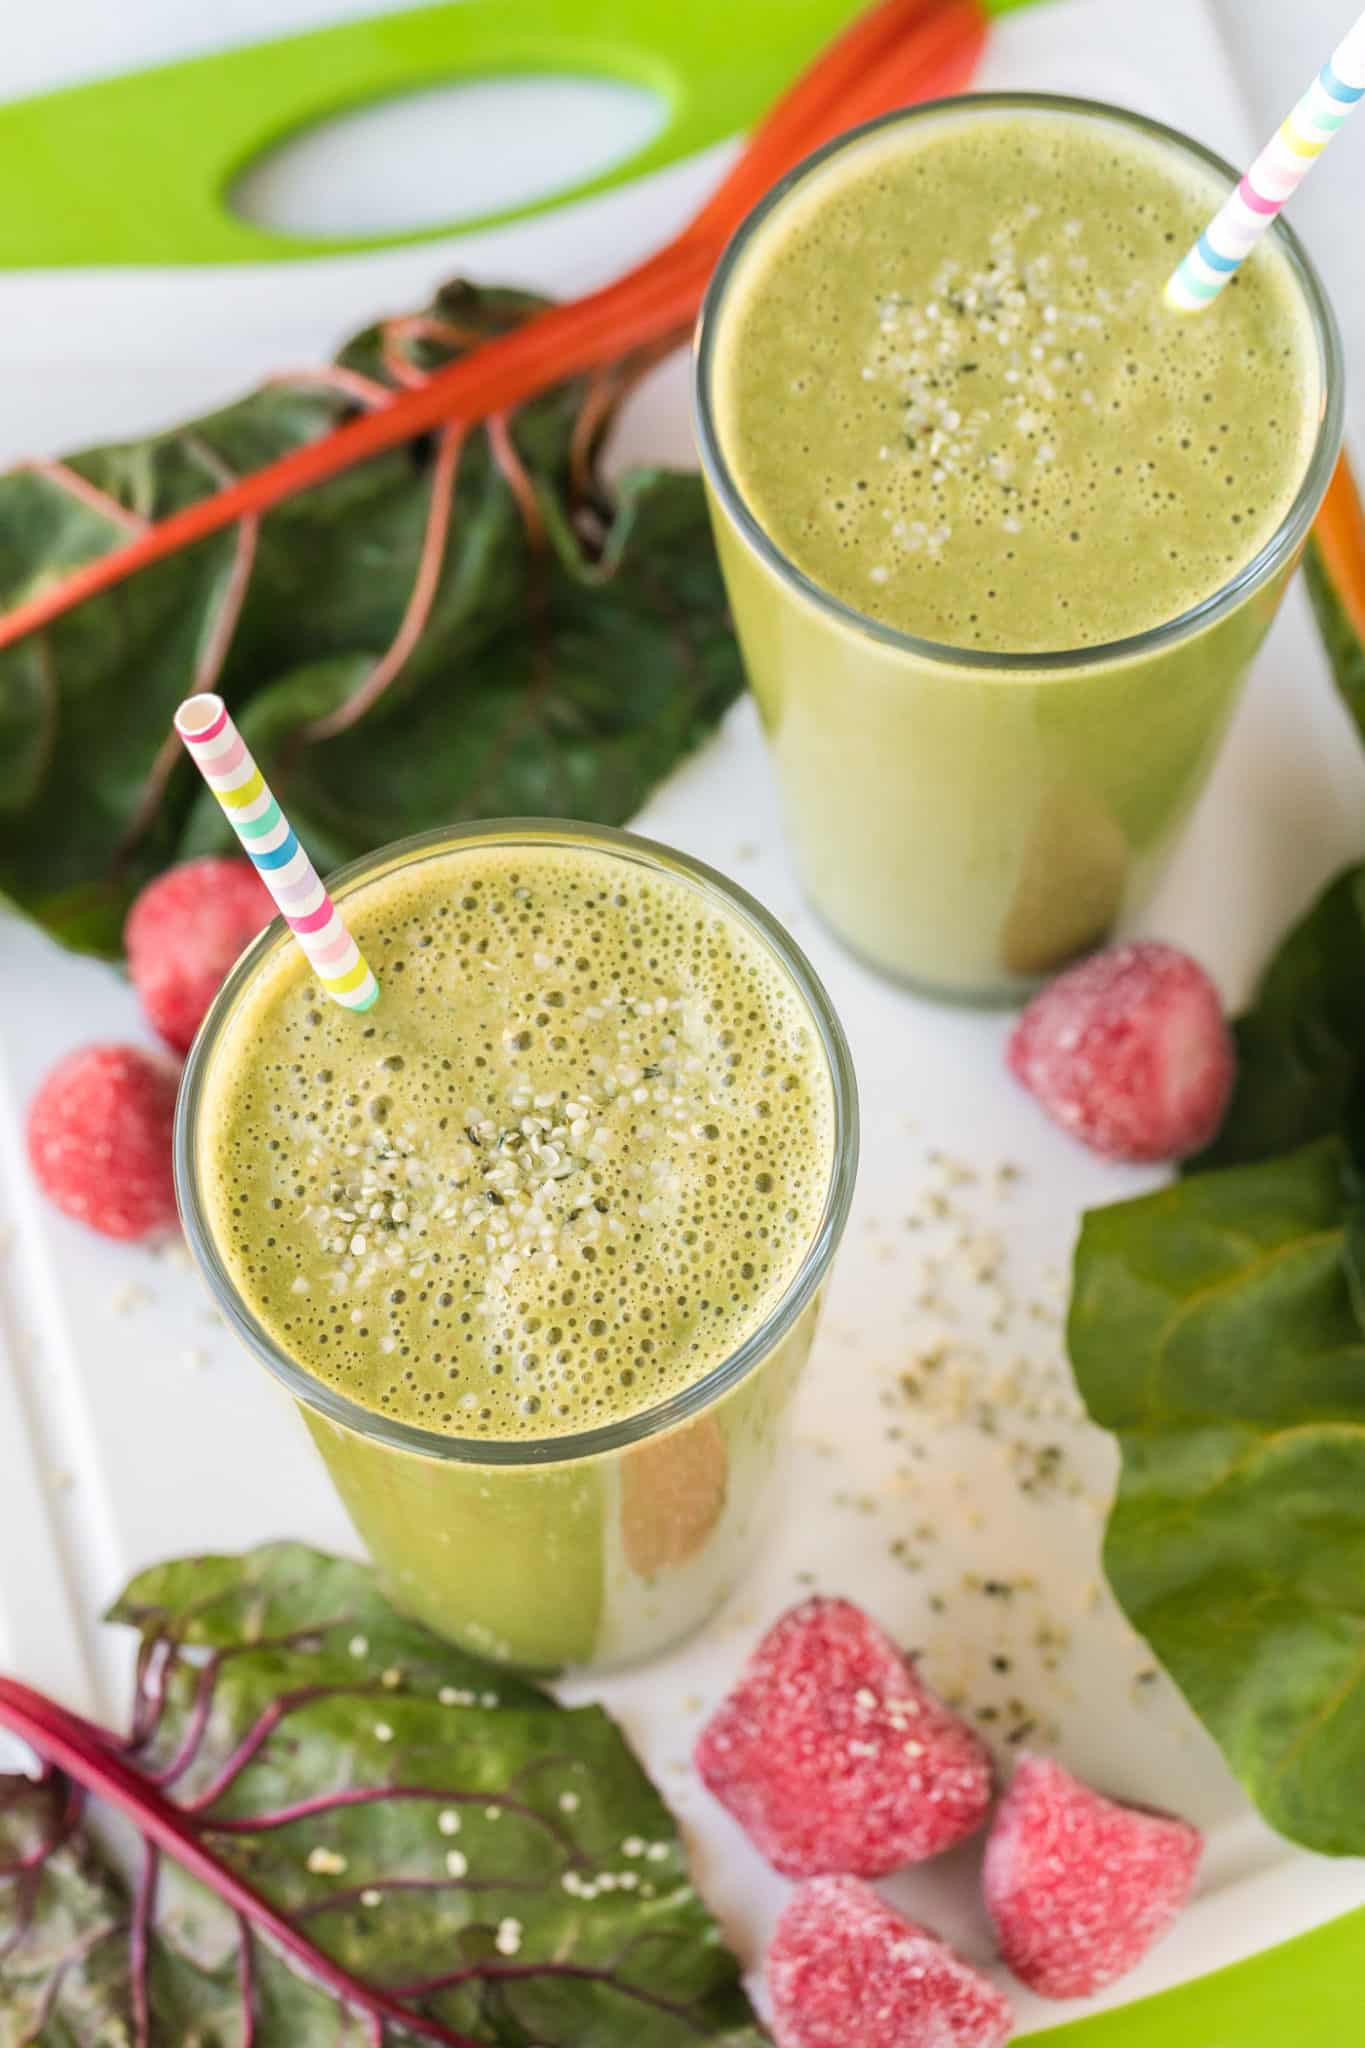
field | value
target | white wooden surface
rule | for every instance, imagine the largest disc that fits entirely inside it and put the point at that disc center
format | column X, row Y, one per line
column 131, row 1428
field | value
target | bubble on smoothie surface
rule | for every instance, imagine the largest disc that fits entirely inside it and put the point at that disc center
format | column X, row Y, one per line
column 574, row 1157
column 950, row 389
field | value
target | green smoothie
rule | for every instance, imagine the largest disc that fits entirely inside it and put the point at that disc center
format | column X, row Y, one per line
column 1001, row 532
column 575, row 1159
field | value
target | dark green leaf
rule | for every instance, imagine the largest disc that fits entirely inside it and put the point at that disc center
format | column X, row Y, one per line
column 1212, row 1330
column 564, row 674
column 64, row 1974
column 1301, row 1047
column 1218, row 1329
column 220, row 1602
column 1353, row 1183
column 444, row 1834
column 1344, row 650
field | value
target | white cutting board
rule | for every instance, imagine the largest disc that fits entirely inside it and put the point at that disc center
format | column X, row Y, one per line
column 131, row 1428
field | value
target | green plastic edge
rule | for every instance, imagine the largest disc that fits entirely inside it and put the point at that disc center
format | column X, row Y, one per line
column 137, row 169
column 1309, row 1989
column 76, row 171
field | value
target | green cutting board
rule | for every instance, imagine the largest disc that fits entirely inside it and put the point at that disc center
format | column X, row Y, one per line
column 137, row 169
column 1311, row 1990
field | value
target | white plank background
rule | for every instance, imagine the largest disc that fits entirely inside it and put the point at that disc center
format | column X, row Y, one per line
column 129, row 1427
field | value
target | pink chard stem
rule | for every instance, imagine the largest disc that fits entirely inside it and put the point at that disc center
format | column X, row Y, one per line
column 92, row 1759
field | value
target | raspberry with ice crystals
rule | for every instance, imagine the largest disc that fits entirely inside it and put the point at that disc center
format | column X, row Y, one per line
column 833, row 1754
column 1079, row 1887
column 844, row 1971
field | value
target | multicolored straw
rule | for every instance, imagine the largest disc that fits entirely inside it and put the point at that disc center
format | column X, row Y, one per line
column 1273, row 179
column 221, row 756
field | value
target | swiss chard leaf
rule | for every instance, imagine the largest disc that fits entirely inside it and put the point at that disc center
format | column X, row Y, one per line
column 554, row 649
column 1212, row 1330
column 1218, row 1329
column 1339, row 636
column 1301, row 1047
column 468, row 1862
column 64, row 1957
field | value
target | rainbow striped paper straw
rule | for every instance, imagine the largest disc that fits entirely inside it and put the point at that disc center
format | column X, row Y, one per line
column 222, row 758
column 1273, row 179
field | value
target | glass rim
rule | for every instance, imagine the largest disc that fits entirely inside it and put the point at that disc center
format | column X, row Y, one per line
column 337, row 1407
column 1282, row 546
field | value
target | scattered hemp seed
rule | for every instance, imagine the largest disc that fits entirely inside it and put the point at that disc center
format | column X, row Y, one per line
column 980, row 1433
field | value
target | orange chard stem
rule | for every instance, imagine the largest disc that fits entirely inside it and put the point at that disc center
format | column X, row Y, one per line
column 1339, row 537
column 900, row 51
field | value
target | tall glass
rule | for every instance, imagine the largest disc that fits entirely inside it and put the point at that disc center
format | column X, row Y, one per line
column 604, row 1545
column 968, row 820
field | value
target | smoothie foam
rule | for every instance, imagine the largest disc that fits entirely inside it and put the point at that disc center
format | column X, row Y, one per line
column 574, row 1157
column 951, row 393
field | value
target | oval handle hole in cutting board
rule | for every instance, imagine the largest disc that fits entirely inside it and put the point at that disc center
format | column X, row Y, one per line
column 445, row 154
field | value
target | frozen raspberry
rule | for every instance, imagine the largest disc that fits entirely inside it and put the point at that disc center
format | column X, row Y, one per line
column 844, row 1971
column 1129, row 1052
column 184, row 932
column 99, row 1139
column 1078, row 1887
column 833, row 1755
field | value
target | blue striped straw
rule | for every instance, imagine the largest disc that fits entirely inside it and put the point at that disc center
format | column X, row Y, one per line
column 1273, row 179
